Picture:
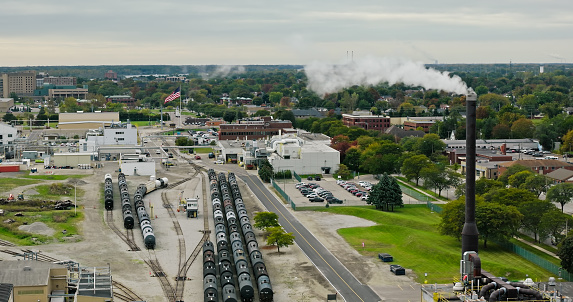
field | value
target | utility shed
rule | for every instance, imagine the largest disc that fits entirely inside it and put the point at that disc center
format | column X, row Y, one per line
column 70, row 159
column 33, row 280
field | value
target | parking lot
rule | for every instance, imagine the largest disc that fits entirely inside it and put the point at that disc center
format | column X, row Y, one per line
column 328, row 183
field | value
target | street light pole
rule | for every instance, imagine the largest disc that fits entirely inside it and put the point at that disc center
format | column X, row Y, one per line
column 75, row 200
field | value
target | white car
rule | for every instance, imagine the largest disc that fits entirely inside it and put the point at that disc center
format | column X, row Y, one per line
column 311, row 195
column 364, row 197
column 219, row 162
column 157, row 152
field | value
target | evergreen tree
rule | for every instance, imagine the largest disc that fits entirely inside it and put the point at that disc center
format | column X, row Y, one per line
column 386, row 194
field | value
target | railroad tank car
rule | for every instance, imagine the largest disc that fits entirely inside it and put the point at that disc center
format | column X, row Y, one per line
column 252, row 246
column 246, row 287
column 260, row 269
column 241, row 267
column 224, row 256
column 210, row 288
column 108, row 191
column 233, row 228
column 265, row 289
column 229, row 294
column 148, row 238
column 220, row 228
column 230, row 215
column 209, row 257
column 222, row 245
column 250, row 237
column 128, row 220
column 240, row 206
column 161, row 182
column 217, row 206
column 242, row 213
column 208, row 246
column 247, row 228
column 239, row 255
column 108, row 203
column 244, row 220
column 225, row 267
column 256, row 257
column 107, row 176
column 227, row 278
column 209, row 269
column 237, row 245
column 235, row 236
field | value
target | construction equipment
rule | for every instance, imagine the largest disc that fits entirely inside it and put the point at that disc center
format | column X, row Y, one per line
column 21, row 196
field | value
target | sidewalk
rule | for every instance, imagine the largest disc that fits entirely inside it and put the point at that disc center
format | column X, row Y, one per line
column 538, row 248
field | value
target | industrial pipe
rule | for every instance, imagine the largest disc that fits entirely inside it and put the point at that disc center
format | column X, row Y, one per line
column 486, row 288
column 470, row 232
column 494, row 296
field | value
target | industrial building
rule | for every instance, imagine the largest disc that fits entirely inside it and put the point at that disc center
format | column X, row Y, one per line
column 87, row 120
column 255, row 128
column 32, row 281
column 367, row 122
column 305, row 153
column 7, row 134
column 6, row 104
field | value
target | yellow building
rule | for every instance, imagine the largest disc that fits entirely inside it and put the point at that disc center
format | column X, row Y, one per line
column 87, row 120
column 21, row 83
column 33, row 280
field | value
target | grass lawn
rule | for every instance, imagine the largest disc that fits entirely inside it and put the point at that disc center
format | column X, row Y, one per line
column 536, row 252
column 8, row 184
column 203, row 150
column 53, row 177
column 410, row 235
column 57, row 220
column 412, row 185
column 143, row 123
column 45, row 192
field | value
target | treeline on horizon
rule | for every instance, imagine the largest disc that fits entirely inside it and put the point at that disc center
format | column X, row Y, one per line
column 98, row 71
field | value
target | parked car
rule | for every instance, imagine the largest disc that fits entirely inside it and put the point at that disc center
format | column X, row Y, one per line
column 316, row 199
column 317, row 178
column 311, row 195
column 397, row 269
column 219, row 162
column 334, row 201
column 309, row 178
column 197, row 157
column 211, row 155
column 170, row 155
column 385, row 257
column 364, row 197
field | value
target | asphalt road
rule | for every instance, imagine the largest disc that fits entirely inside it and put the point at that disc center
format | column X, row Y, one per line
column 335, row 272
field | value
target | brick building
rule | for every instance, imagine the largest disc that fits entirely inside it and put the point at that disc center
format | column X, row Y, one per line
column 253, row 129
column 540, row 166
column 368, row 122
column 414, row 125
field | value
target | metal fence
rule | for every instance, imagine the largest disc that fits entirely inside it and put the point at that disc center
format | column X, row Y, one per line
column 555, row 269
column 415, row 194
column 283, row 194
column 522, row 252
column 296, row 176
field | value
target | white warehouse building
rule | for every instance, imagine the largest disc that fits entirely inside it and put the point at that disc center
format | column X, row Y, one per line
column 118, row 134
column 302, row 156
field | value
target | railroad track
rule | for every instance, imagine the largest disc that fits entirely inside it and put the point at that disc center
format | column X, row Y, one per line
column 185, row 266
column 126, row 293
column 127, row 237
column 158, row 272
column 6, row 243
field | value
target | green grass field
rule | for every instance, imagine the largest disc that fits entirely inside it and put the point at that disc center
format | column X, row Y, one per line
column 53, row 177
column 410, row 235
column 143, row 123
column 8, row 184
column 203, row 150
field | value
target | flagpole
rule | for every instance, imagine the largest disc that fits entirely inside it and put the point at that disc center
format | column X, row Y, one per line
column 161, row 113
column 180, row 101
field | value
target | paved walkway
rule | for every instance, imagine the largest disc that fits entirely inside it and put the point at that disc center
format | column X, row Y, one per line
column 538, row 248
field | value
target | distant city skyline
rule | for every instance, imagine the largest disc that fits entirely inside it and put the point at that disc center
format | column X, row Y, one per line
column 294, row 32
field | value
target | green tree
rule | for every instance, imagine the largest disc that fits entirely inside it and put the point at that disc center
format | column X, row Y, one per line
column 266, row 171
column 352, row 159
column 497, row 221
column 262, row 112
column 440, row 177
column 533, row 211
column 229, row 116
column 517, row 179
column 453, row 217
column 412, row 167
column 484, row 185
column 343, row 172
column 536, row 183
column 565, row 253
column 522, row 128
column 561, row 193
column 430, row 144
column 554, row 223
column 265, row 220
column 386, row 194
column 8, row 117
column 183, row 141
column 280, row 238
column 510, row 171
column 275, row 97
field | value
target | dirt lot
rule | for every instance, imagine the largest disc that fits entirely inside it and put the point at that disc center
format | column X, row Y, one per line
column 293, row 276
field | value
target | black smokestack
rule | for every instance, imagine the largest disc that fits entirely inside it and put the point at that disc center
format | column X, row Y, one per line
column 470, row 232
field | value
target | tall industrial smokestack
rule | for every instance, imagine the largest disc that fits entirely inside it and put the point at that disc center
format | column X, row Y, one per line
column 470, row 232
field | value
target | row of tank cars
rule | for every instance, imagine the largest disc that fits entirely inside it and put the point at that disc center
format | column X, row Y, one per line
column 233, row 229
column 128, row 217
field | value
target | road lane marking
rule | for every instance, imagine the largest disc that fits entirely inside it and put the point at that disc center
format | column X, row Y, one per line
column 301, row 236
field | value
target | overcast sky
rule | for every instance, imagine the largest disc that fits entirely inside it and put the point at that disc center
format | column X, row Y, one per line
column 190, row 32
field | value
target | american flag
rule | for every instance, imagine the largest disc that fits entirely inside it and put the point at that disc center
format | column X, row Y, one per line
column 174, row 95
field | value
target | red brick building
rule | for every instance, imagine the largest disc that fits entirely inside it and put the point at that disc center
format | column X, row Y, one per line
column 368, row 122
column 252, row 129
column 540, row 166
column 414, row 125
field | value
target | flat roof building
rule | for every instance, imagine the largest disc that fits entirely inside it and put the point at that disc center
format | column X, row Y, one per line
column 21, row 83
column 250, row 129
column 367, row 122
column 87, row 120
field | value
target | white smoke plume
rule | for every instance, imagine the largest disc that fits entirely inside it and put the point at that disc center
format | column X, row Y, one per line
column 225, row 70
column 326, row 78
